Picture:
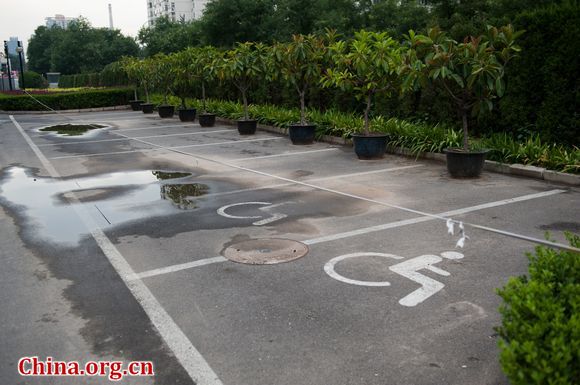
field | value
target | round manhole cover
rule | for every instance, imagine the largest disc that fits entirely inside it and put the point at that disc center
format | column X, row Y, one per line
column 266, row 251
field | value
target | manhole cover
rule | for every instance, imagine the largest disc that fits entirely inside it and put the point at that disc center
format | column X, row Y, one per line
column 266, row 251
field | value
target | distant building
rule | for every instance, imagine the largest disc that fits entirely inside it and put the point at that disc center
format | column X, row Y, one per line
column 175, row 10
column 59, row 21
column 12, row 45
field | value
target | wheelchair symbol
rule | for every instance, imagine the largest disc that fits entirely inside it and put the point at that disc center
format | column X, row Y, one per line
column 408, row 269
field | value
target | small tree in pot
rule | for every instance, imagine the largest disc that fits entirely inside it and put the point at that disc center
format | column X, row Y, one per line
column 129, row 66
column 243, row 65
column 471, row 73
column 183, row 80
column 163, row 82
column 300, row 63
column 143, row 71
column 367, row 65
column 204, row 66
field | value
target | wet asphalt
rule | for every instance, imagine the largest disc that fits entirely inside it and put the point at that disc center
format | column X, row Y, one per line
column 309, row 321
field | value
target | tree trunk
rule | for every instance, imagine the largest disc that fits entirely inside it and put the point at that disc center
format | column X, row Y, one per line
column 183, row 105
column 135, row 93
column 203, row 97
column 302, row 109
column 245, row 99
column 146, row 93
column 367, row 111
column 465, row 129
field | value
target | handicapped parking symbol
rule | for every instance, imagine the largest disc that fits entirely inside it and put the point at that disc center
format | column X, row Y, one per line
column 409, row 269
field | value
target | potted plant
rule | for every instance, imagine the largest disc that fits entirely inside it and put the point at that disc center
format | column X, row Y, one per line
column 243, row 65
column 183, row 79
column 299, row 64
column 367, row 65
column 471, row 73
column 204, row 67
column 129, row 67
column 142, row 71
column 163, row 82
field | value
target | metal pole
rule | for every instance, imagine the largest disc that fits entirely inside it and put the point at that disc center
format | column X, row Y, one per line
column 8, row 65
column 20, row 52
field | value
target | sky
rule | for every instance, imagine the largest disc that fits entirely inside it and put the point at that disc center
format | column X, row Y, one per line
column 21, row 17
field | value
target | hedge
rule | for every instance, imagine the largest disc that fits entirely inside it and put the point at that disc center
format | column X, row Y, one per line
column 67, row 101
column 540, row 331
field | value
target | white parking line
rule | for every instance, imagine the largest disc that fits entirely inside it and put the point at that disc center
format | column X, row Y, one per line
column 286, row 154
column 362, row 231
column 162, row 148
column 189, row 357
column 154, row 127
column 126, row 139
column 354, row 196
column 340, row 176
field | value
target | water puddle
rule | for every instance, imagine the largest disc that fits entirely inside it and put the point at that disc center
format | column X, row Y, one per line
column 111, row 198
column 72, row 129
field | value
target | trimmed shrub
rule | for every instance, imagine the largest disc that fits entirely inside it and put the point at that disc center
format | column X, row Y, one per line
column 540, row 331
column 67, row 101
column 33, row 80
column 543, row 93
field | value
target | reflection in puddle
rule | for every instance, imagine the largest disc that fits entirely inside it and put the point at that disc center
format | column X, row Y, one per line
column 179, row 193
column 164, row 175
column 111, row 198
column 72, row 129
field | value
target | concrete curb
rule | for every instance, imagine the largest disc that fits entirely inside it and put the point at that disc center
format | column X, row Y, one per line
column 96, row 109
column 490, row 165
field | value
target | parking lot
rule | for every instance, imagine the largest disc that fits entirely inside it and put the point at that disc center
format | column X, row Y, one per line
column 119, row 243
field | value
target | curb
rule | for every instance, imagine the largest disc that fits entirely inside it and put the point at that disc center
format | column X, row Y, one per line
column 95, row 109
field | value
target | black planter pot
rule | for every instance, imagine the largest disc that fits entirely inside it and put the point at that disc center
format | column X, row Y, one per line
column 166, row 111
column 147, row 108
column 187, row 114
column 206, row 120
column 247, row 127
column 302, row 134
column 370, row 147
column 136, row 104
column 462, row 164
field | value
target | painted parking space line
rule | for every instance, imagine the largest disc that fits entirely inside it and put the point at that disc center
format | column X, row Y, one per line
column 154, row 127
column 386, row 204
column 363, row 231
column 160, row 148
column 286, row 154
column 126, row 139
column 182, row 348
column 324, row 178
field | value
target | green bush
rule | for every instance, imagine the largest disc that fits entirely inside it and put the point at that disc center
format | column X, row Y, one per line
column 540, row 331
column 33, row 80
column 543, row 94
column 67, row 101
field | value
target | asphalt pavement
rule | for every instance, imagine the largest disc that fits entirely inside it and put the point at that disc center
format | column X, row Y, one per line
column 118, row 245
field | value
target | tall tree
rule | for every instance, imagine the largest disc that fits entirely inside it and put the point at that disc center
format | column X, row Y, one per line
column 167, row 36
column 79, row 48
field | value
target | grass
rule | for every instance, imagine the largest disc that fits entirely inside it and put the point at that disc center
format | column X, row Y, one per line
column 72, row 129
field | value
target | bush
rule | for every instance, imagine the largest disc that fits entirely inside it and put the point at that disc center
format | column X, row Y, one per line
column 67, row 101
column 33, row 80
column 540, row 332
column 543, row 92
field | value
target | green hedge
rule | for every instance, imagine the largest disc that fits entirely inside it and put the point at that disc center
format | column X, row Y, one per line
column 111, row 76
column 67, row 101
column 540, row 331
column 415, row 136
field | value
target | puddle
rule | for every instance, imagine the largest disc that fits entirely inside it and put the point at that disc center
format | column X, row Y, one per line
column 72, row 129
column 111, row 199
